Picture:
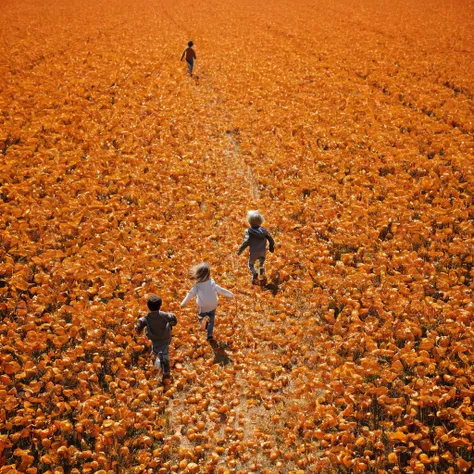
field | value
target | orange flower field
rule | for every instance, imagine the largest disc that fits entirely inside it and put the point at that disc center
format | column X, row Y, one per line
column 348, row 124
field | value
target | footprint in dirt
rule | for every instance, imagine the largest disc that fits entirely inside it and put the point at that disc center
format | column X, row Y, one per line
column 220, row 354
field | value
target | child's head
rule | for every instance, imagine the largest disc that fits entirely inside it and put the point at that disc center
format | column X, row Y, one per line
column 201, row 272
column 190, row 44
column 254, row 218
column 154, row 303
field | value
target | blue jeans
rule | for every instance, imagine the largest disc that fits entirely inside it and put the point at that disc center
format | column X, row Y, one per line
column 252, row 267
column 210, row 325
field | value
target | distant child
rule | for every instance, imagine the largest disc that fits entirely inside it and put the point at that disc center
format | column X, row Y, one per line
column 205, row 290
column 158, row 326
column 256, row 238
column 190, row 55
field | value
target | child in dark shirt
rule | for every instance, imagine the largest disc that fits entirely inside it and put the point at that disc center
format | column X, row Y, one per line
column 190, row 55
column 256, row 238
column 158, row 326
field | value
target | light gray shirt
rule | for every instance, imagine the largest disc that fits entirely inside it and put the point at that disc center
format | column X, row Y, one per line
column 206, row 295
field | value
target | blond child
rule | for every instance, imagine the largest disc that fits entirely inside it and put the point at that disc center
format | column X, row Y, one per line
column 205, row 290
column 256, row 238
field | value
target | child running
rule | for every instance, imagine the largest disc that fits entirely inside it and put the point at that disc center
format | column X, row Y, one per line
column 205, row 290
column 158, row 326
column 256, row 238
column 190, row 55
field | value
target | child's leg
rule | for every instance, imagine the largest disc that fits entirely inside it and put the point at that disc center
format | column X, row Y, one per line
column 161, row 348
column 210, row 326
column 190, row 67
column 154, row 353
column 165, row 360
column 262, row 262
column 203, row 320
column 157, row 364
column 252, row 265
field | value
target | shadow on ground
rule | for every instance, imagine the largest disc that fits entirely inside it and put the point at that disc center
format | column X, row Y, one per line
column 220, row 354
column 274, row 285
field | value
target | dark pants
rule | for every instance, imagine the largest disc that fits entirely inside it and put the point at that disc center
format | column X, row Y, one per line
column 161, row 349
column 190, row 63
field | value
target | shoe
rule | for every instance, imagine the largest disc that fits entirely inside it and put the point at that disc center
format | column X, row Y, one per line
column 210, row 338
column 157, row 364
column 255, row 279
column 167, row 378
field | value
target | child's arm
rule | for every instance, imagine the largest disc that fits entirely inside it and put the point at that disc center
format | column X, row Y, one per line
column 182, row 56
column 141, row 323
column 192, row 292
column 223, row 291
column 172, row 319
column 271, row 242
column 245, row 244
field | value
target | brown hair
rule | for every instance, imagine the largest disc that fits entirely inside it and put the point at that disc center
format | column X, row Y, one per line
column 200, row 273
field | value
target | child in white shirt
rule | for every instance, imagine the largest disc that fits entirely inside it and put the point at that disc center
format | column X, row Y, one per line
column 205, row 290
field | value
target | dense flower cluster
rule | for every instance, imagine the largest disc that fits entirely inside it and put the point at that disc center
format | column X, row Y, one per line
column 349, row 127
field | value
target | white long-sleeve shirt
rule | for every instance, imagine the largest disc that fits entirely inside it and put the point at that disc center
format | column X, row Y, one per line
column 206, row 295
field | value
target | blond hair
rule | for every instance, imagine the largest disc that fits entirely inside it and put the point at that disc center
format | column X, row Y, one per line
column 254, row 218
column 200, row 273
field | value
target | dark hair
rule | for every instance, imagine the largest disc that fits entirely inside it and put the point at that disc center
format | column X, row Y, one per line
column 154, row 303
column 190, row 44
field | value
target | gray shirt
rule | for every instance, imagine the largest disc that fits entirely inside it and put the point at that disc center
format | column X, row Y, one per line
column 256, row 238
column 158, row 325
